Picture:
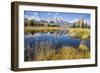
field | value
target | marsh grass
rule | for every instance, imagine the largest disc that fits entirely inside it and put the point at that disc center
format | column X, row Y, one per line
column 65, row 53
column 81, row 33
column 72, row 53
column 42, row 29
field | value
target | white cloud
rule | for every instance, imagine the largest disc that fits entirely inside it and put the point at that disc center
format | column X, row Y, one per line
column 30, row 17
column 37, row 18
column 26, row 16
column 74, row 20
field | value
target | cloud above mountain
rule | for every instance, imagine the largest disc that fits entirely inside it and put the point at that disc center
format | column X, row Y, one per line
column 56, row 16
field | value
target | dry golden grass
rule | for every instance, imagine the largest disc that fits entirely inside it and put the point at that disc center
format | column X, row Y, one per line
column 72, row 53
column 83, row 47
column 65, row 53
column 81, row 33
column 42, row 29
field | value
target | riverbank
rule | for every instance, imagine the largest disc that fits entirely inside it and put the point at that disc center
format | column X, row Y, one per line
column 65, row 53
column 81, row 33
column 43, row 29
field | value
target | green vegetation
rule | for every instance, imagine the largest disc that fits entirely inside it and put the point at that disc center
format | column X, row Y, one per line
column 73, row 53
column 81, row 33
column 33, row 23
column 42, row 29
column 65, row 53
column 83, row 47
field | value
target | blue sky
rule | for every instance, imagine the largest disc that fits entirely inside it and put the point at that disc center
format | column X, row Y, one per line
column 70, row 17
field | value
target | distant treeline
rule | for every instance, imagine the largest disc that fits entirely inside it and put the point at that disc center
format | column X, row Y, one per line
column 36, row 23
column 77, row 25
column 52, row 24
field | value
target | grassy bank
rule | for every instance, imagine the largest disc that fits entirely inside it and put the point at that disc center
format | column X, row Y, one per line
column 42, row 29
column 81, row 33
column 65, row 53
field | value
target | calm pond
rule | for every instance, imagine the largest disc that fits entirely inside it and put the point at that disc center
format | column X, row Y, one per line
column 55, row 40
